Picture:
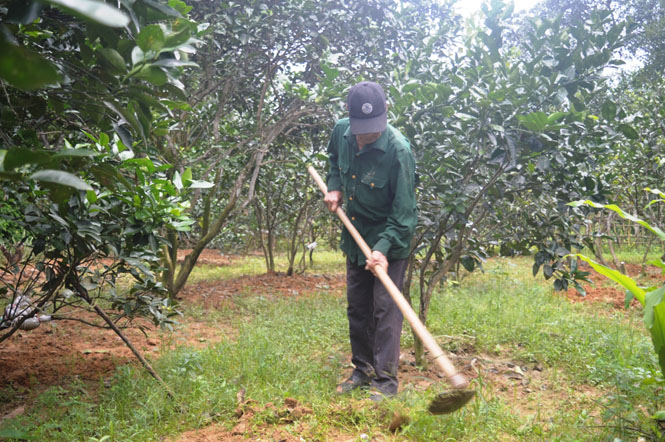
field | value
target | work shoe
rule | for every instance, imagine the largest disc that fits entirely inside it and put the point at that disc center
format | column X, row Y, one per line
column 376, row 395
column 356, row 380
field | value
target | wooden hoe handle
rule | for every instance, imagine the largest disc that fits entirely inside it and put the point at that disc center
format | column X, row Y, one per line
column 455, row 379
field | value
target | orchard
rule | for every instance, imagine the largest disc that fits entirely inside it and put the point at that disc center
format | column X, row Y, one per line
column 169, row 270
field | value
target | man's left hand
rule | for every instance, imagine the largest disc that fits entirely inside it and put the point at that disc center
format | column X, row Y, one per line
column 377, row 259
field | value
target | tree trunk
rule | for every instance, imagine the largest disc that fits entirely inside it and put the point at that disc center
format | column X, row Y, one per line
column 646, row 254
column 258, row 214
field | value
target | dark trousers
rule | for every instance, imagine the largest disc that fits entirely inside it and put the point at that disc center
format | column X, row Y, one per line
column 375, row 324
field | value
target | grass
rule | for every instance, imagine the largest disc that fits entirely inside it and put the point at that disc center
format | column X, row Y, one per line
column 325, row 261
column 631, row 254
column 597, row 378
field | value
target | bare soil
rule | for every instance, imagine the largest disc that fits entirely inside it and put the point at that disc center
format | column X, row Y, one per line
column 605, row 291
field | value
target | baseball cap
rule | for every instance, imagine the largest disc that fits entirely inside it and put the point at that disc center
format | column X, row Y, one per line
column 367, row 108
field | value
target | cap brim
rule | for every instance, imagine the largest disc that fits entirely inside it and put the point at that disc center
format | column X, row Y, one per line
column 374, row 125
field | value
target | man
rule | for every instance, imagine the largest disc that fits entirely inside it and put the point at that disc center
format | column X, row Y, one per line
column 372, row 172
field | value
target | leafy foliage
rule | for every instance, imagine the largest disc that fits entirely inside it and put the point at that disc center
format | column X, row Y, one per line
column 651, row 298
column 504, row 131
column 89, row 213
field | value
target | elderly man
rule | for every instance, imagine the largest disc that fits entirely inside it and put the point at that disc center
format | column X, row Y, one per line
column 372, row 173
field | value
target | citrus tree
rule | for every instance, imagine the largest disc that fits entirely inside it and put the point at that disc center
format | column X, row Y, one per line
column 89, row 89
column 505, row 133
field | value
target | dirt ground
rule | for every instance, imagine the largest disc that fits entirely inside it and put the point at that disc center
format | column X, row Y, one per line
column 58, row 353
column 605, row 291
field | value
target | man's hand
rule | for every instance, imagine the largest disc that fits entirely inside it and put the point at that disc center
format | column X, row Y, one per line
column 333, row 199
column 377, row 259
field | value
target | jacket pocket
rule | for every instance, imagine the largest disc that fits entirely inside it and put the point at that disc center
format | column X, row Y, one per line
column 372, row 191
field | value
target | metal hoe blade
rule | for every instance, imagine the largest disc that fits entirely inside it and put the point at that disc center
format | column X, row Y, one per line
column 450, row 401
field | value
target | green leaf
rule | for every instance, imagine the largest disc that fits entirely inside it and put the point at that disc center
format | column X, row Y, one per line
column 536, row 121
column 657, row 263
column 655, row 191
column 465, row 117
column 153, row 74
column 142, row 162
column 658, row 334
column 97, row 11
column 556, row 116
column 166, row 10
column 629, row 132
column 622, row 214
column 76, row 153
column 114, row 58
column 91, row 196
column 177, row 181
column 25, row 69
column 652, row 202
column 468, row 263
column 659, row 415
column 651, row 300
column 187, row 175
column 180, row 6
column 626, row 300
column 151, row 38
column 17, row 157
column 126, row 115
column 625, row 281
column 609, row 110
column 148, row 100
column 176, row 39
column 60, row 177
column 104, row 139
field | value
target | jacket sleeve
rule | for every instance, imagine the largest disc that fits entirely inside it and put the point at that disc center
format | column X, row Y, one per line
column 333, row 179
column 401, row 223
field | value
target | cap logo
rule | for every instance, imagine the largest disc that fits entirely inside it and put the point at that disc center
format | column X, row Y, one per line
column 367, row 108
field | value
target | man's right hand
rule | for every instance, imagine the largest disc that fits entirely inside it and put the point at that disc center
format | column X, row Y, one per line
column 333, row 200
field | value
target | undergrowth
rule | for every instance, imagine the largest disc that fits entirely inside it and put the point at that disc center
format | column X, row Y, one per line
column 597, row 378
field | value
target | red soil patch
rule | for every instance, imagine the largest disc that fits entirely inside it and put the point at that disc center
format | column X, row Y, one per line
column 64, row 349
column 605, row 291
column 216, row 293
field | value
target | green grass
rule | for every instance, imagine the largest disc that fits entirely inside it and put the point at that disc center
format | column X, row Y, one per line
column 297, row 347
column 632, row 254
column 325, row 261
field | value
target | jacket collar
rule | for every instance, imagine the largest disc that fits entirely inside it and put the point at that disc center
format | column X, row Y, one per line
column 380, row 144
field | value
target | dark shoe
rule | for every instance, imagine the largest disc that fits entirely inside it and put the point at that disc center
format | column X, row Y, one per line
column 354, row 381
column 376, row 395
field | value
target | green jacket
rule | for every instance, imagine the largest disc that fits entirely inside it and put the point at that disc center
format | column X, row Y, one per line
column 378, row 186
